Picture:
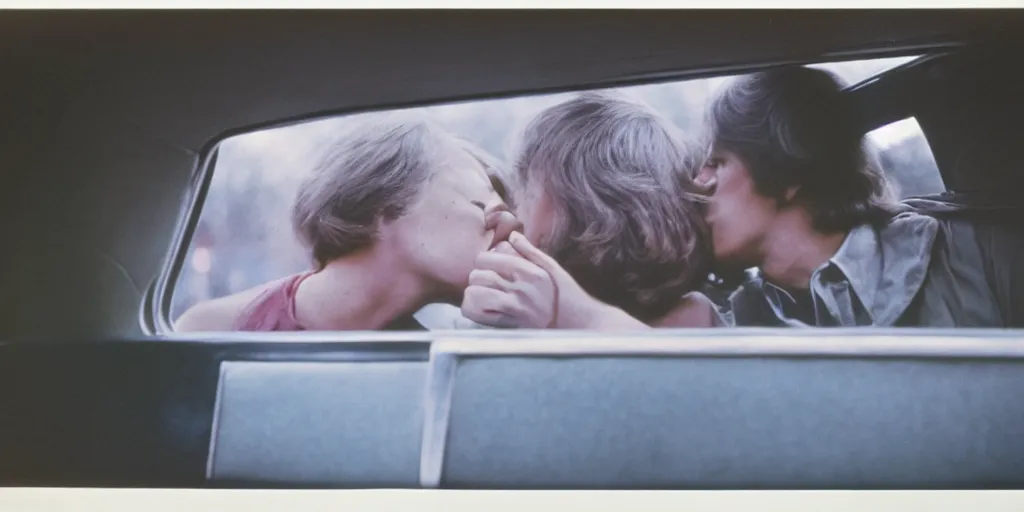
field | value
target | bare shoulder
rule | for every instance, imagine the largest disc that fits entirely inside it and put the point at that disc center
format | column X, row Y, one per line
column 219, row 314
column 694, row 310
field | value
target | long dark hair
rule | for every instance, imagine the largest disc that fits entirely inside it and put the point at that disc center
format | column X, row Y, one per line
column 794, row 126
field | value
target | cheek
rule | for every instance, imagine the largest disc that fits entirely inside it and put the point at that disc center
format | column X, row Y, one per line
column 461, row 237
column 461, row 232
column 535, row 230
column 445, row 232
column 736, row 215
column 538, row 220
column 741, row 230
column 722, row 239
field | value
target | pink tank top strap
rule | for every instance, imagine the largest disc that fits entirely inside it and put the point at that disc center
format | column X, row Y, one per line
column 274, row 309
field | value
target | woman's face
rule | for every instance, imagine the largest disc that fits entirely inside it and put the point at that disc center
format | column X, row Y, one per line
column 441, row 234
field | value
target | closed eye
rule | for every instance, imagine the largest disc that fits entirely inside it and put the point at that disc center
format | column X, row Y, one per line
column 479, row 204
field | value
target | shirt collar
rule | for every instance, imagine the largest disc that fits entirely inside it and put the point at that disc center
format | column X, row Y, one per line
column 885, row 267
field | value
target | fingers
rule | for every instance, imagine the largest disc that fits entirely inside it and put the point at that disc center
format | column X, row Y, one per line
column 499, row 206
column 489, row 279
column 507, row 290
column 506, row 248
column 488, row 306
column 512, row 267
column 495, row 217
column 503, row 223
column 535, row 255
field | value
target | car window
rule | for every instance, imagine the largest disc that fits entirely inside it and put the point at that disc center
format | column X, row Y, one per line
column 245, row 237
column 855, row 71
column 904, row 155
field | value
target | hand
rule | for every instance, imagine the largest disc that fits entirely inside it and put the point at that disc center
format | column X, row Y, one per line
column 518, row 285
column 502, row 222
column 506, row 290
column 573, row 307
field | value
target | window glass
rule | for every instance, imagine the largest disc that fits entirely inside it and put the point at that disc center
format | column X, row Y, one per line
column 244, row 237
column 855, row 71
column 904, row 155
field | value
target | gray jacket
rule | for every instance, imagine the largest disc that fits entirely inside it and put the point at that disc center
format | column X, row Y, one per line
column 915, row 271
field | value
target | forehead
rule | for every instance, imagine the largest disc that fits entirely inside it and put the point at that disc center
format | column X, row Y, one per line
column 462, row 171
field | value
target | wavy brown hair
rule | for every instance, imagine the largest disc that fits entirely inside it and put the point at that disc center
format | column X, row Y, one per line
column 627, row 226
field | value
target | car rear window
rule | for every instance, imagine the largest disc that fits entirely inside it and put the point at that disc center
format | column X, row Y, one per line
column 244, row 237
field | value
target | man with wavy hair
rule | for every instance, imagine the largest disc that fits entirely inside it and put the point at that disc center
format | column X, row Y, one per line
column 600, row 185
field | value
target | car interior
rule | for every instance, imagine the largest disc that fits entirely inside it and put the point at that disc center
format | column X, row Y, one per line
column 112, row 121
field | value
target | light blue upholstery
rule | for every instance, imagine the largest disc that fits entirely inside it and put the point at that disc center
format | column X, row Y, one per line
column 334, row 424
column 646, row 422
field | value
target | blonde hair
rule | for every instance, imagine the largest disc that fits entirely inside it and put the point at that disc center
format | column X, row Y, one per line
column 370, row 172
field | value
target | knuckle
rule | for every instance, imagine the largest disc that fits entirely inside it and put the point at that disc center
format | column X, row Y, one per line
column 481, row 259
column 492, row 219
column 520, row 290
column 517, row 308
column 483, row 278
column 536, row 272
column 477, row 277
column 505, row 248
